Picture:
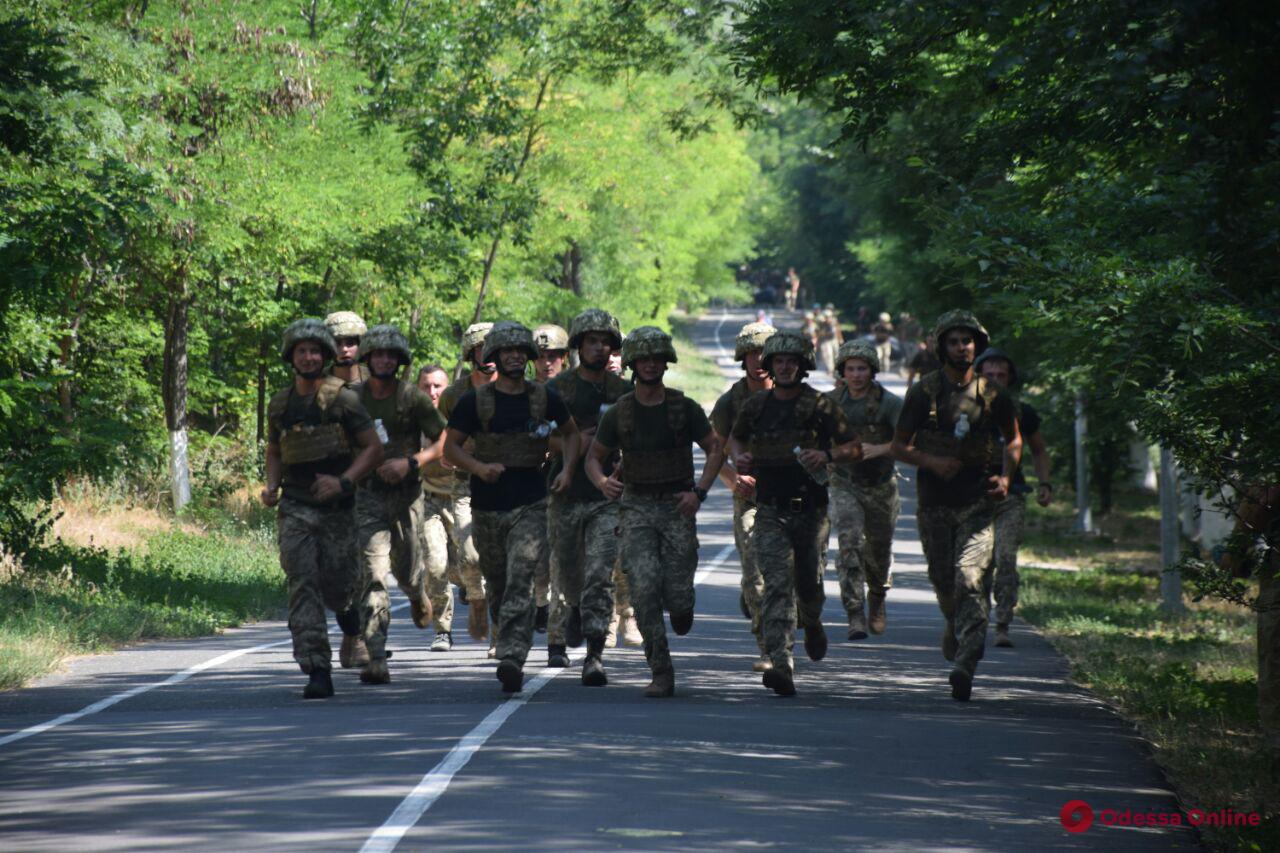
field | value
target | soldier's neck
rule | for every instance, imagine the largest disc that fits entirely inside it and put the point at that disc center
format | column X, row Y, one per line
column 510, row 384
column 956, row 376
column 304, row 387
column 754, row 385
column 381, row 388
column 650, row 395
column 788, row 393
column 858, row 393
column 347, row 372
column 595, row 377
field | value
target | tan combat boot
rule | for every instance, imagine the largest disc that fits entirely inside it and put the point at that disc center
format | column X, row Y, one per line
column 611, row 639
column 630, row 630
column 421, row 610
column 376, row 672
column 763, row 664
column 875, row 615
column 478, row 618
column 353, row 652
column 662, row 686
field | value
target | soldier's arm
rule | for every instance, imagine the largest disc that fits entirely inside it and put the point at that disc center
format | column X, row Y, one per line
column 432, row 452
column 714, row 448
column 902, row 451
column 1040, row 455
column 999, row 486
column 597, row 453
column 367, row 459
column 572, row 447
column 275, row 473
column 458, row 456
column 728, row 474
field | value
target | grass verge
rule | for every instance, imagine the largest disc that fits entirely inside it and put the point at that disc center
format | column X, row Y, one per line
column 697, row 375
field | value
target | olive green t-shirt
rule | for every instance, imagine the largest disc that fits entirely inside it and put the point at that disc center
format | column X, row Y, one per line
column 588, row 398
column 725, row 411
column 874, row 471
column 653, row 429
column 345, row 409
column 424, row 419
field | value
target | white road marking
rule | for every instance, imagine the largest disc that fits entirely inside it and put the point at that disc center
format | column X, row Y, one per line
column 433, row 785
column 176, row 678
column 724, row 315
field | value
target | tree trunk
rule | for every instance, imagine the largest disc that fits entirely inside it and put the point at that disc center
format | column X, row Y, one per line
column 174, row 389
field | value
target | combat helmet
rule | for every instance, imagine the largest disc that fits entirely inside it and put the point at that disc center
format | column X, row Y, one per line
column 550, row 337
column 993, row 354
column 647, row 341
column 752, row 337
column 474, row 336
column 345, row 324
column 856, row 349
column 594, row 320
column 959, row 319
column 307, row 329
column 386, row 337
column 508, row 333
column 791, row 343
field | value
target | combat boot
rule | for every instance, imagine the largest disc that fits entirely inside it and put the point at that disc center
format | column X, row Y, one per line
column 742, row 605
column 421, row 610
column 631, row 635
column 511, row 676
column 611, row 639
column 376, row 672
column 556, row 656
column 961, row 685
column 320, row 686
column 662, row 686
column 949, row 643
column 1002, row 636
column 573, row 628
column 763, row 664
column 540, row 618
column 815, row 641
column 780, row 681
column 353, row 652
column 682, row 623
column 876, row 617
column 478, row 619
column 593, row 674
column 443, row 642
column 857, row 625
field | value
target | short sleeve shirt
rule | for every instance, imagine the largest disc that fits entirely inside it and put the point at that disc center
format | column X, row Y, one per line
column 653, row 429
column 792, row 481
column 1028, row 425
column 302, row 409
column 855, row 412
column 588, row 398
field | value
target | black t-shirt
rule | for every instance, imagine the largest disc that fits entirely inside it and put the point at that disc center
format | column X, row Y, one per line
column 516, row 487
column 1028, row 425
column 785, row 482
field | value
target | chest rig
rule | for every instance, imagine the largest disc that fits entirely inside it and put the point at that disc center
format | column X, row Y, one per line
column 312, row 439
column 405, row 439
column 614, row 387
column 650, row 468
column 773, row 446
column 976, row 448
column 516, row 449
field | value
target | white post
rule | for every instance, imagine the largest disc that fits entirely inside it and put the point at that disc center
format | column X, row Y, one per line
column 179, row 470
column 1170, row 518
column 1084, row 515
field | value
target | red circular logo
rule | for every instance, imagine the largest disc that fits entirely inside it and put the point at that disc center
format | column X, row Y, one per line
column 1076, row 816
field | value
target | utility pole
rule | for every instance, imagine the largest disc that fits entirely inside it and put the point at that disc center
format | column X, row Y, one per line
column 1171, row 578
column 1084, row 515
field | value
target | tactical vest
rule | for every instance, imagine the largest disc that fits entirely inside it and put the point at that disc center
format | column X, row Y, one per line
column 976, row 448
column 405, row 437
column 614, row 387
column 514, row 449
column 649, row 468
column 303, row 443
column 872, row 432
column 775, row 448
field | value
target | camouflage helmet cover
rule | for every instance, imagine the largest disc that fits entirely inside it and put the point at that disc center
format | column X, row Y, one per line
column 549, row 337
column 508, row 333
column 959, row 319
column 752, row 337
column 791, row 343
column 594, row 320
column 647, row 341
column 993, row 354
column 345, row 324
column 474, row 336
column 856, row 349
column 386, row 337
column 307, row 329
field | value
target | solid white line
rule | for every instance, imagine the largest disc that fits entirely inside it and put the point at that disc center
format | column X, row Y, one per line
column 724, row 315
column 176, row 678
column 430, row 788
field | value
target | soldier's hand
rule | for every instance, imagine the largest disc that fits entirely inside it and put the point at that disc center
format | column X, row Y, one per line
column 687, row 503
column 562, row 482
column 997, row 488
column 945, row 467
column 745, row 487
column 813, row 459
column 393, row 471
column 270, row 496
column 743, row 463
column 611, row 487
column 491, row 471
column 326, row 488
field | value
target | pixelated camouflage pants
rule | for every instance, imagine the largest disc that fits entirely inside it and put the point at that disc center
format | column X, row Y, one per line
column 790, row 547
column 1009, row 516
column 958, row 543
column 752, row 583
column 659, row 557
column 510, row 544
column 438, row 551
column 621, row 588
column 464, row 570
column 584, row 550
column 320, row 561
column 1269, row 658
column 390, row 529
column 863, row 518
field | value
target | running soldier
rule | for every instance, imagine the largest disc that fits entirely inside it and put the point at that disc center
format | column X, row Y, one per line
column 389, row 504
column 320, row 442
column 946, row 430
column 655, row 428
column 748, row 349
column 582, row 522
column 785, row 437
column 510, row 421
column 439, row 543
column 553, row 349
column 864, row 496
column 999, row 368
column 829, row 337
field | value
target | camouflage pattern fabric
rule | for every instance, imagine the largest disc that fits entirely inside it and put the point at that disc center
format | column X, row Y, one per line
column 584, row 550
column 390, row 527
column 659, row 557
column 464, row 571
column 319, row 558
column 958, row 544
column 790, row 547
column 510, row 544
column 542, row 579
column 621, row 587
column 1009, row 516
column 752, row 583
column 437, row 552
column 864, row 518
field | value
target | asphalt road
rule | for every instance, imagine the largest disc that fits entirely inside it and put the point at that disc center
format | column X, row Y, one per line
column 212, row 748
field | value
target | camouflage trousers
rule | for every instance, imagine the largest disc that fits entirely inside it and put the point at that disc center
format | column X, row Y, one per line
column 1009, row 515
column 621, row 590
column 510, row 544
column 390, row 528
column 464, row 569
column 320, row 561
column 1269, row 662
column 958, row 543
column 864, row 518
column 439, row 551
column 790, row 547
column 752, row 583
column 584, row 550
column 659, row 558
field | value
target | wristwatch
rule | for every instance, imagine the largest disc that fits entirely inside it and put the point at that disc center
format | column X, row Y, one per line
column 347, row 487
column 701, row 493
column 413, row 464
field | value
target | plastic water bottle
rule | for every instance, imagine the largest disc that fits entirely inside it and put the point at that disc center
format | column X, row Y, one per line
column 962, row 425
column 544, row 429
column 819, row 476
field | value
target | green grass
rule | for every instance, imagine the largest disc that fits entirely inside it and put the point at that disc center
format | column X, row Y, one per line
column 1188, row 682
column 67, row 600
column 1128, row 537
column 697, row 375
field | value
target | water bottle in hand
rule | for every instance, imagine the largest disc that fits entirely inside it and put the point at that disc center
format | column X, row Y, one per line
column 819, row 475
column 962, row 425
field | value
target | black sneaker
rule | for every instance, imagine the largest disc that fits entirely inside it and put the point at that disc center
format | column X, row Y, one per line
column 540, row 619
column 320, row 686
